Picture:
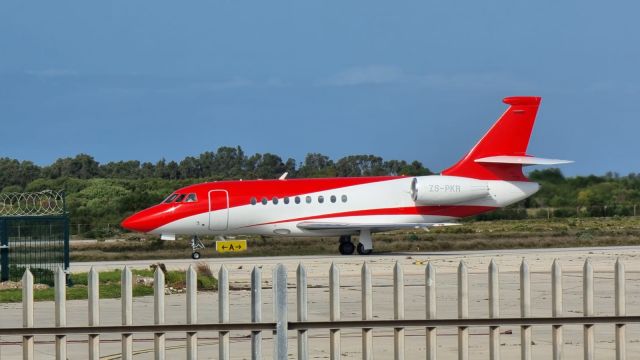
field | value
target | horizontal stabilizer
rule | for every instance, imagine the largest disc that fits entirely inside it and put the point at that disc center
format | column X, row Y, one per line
column 521, row 160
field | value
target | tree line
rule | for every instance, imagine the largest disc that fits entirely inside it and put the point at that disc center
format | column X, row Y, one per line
column 225, row 163
column 106, row 193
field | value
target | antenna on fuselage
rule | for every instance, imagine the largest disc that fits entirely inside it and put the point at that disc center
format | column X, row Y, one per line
column 283, row 176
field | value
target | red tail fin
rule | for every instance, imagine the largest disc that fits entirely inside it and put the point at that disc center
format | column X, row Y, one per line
column 508, row 136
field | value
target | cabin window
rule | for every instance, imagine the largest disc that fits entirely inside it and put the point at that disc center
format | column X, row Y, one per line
column 171, row 198
column 191, row 198
column 180, row 198
column 275, row 200
column 286, row 200
column 297, row 199
column 333, row 198
column 344, row 198
column 264, row 201
column 308, row 199
column 320, row 199
column 253, row 201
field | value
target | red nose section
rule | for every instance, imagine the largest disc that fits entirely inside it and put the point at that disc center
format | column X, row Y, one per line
column 144, row 221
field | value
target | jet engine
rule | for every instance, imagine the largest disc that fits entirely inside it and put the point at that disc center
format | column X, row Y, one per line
column 447, row 190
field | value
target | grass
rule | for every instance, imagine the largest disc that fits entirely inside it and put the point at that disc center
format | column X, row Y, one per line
column 110, row 286
column 476, row 235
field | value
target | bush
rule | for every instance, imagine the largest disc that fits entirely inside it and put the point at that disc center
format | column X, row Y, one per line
column 565, row 212
column 503, row 214
column 40, row 276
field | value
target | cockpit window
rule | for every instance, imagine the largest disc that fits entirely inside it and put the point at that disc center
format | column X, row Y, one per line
column 191, row 198
column 170, row 198
column 180, row 198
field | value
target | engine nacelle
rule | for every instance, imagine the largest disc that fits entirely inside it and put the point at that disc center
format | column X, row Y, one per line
column 447, row 190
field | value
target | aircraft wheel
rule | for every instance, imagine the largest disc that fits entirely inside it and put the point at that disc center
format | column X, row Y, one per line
column 347, row 248
column 195, row 255
column 362, row 251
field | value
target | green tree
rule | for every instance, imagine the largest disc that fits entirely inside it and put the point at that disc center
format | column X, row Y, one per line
column 82, row 166
column 316, row 165
column 360, row 165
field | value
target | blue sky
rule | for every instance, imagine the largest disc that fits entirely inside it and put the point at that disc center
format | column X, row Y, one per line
column 412, row 80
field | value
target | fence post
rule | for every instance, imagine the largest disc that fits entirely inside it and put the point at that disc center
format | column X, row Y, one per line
column 4, row 251
column 525, row 310
column 274, row 295
column 127, row 311
column 256, row 312
column 223, row 312
column 93, row 284
column 60, row 285
column 301, row 289
column 398, row 306
column 587, row 281
column 281, row 344
column 621, row 345
column 334, row 310
column 192, row 312
column 430, row 296
column 463, row 310
column 367, row 312
column 494, row 310
column 556, row 308
column 158, row 313
column 27, row 313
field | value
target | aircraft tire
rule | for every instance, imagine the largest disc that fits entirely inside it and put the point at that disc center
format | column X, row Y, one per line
column 347, row 248
column 362, row 251
column 195, row 255
column 345, row 238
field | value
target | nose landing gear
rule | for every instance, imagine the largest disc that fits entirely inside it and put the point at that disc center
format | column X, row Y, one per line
column 196, row 244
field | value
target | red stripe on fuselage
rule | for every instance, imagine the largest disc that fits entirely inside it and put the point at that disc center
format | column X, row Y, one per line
column 457, row 211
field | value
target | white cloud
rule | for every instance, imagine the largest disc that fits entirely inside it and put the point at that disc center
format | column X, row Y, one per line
column 234, row 83
column 276, row 82
column 367, row 75
column 51, row 73
column 472, row 81
column 377, row 75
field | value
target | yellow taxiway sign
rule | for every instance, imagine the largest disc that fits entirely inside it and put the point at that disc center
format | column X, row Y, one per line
column 231, row 245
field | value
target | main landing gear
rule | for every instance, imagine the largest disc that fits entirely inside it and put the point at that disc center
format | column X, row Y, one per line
column 346, row 246
column 365, row 245
column 196, row 244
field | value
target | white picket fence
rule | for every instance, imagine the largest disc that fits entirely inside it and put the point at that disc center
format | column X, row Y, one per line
column 282, row 325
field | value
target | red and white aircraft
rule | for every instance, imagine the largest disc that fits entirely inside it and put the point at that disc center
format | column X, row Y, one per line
column 490, row 176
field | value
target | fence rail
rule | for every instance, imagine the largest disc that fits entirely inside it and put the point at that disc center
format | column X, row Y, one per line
column 282, row 325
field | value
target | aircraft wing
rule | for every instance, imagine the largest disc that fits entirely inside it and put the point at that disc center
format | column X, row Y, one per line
column 315, row 225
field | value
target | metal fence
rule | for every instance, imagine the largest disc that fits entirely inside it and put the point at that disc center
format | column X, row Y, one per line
column 281, row 324
column 34, row 233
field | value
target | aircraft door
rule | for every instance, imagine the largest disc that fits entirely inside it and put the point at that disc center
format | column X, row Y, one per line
column 218, row 210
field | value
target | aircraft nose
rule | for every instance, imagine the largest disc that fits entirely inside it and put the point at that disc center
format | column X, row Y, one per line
column 140, row 222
